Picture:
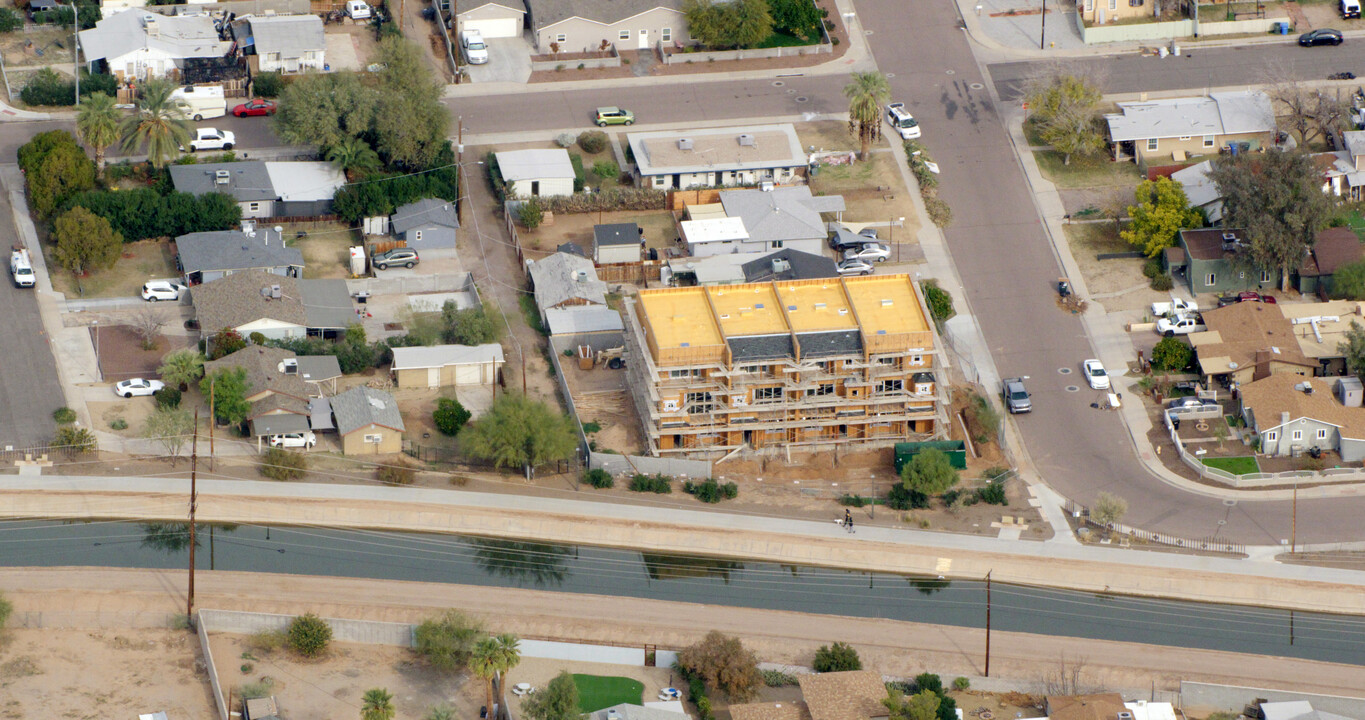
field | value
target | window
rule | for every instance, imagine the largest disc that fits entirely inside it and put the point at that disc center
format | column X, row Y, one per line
column 660, row 181
column 777, row 244
column 1089, row 5
column 767, row 394
column 1113, row 4
column 1297, row 436
column 684, row 373
column 1265, row 276
column 625, row 35
column 374, row 439
column 751, row 369
column 561, row 38
column 1209, row 279
column 820, row 390
column 886, row 361
column 417, row 236
column 889, row 386
column 916, row 359
column 254, row 207
column 1322, row 433
column 1208, row 141
column 1134, row 3
column 1272, row 436
column 1151, row 144
column 1184, row 138
column 667, row 34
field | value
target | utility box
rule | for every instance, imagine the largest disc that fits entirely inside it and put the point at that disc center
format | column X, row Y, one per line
column 358, row 260
column 261, row 709
column 956, row 450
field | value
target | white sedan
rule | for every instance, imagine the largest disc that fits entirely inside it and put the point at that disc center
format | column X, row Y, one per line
column 154, row 290
column 294, row 440
column 1095, row 374
column 137, row 386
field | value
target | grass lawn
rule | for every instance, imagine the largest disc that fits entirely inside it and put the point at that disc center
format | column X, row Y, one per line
column 1356, row 222
column 1084, row 172
column 781, row 39
column 140, row 262
column 326, row 248
column 596, row 692
column 1235, row 465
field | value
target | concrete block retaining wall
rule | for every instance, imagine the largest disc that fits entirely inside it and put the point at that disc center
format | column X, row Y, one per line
column 585, row 63
column 1172, row 30
column 719, row 55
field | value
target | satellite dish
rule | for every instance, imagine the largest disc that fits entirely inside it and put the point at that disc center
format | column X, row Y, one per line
column 1232, row 366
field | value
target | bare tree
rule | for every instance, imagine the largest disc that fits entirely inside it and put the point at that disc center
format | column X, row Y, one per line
column 147, row 323
column 1303, row 111
column 1108, row 509
column 1065, row 678
column 1115, row 207
column 171, row 428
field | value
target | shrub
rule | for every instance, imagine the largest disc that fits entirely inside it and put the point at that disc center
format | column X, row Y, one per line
column 1152, row 268
column 259, row 689
column 64, row 415
column 605, row 169
column 777, row 678
column 76, row 439
column 592, row 141
column 267, row 84
column 992, row 494
column 929, row 682
column 399, row 473
column 588, row 427
column 938, row 211
column 565, row 140
column 167, row 397
column 256, row 338
column 598, row 478
column 46, row 87
column 659, row 484
column 849, row 500
column 612, row 199
column 1171, row 354
column 903, row 498
column 449, row 416
column 266, row 641
column 838, row 657
column 939, row 301
column 579, row 177
column 118, row 424
column 308, row 635
column 961, row 683
column 711, row 491
column 10, row 20
column 531, row 214
column 1162, row 283
column 281, row 464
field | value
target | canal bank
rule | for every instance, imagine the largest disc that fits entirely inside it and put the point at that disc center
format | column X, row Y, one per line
column 669, row 530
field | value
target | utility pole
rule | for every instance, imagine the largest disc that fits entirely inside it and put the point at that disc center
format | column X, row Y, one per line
column 212, row 422
column 1294, row 522
column 459, row 166
column 988, row 623
column 194, row 502
column 76, row 47
column 1042, row 34
column 522, row 353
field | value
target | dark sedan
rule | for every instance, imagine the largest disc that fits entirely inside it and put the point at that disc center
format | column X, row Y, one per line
column 1321, row 36
column 254, row 107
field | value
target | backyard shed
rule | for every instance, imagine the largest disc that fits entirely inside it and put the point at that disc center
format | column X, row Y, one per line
column 536, row 173
column 447, row 365
column 616, row 243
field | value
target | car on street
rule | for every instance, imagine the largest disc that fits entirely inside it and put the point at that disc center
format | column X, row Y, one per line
column 474, row 48
column 903, row 121
column 854, row 266
column 1180, row 325
column 1016, row 397
column 874, row 252
column 397, row 256
column 137, row 386
column 154, row 290
column 212, row 139
column 254, row 108
column 1247, row 296
column 1095, row 374
column 294, row 440
column 1189, row 401
column 1321, row 36
column 613, row 116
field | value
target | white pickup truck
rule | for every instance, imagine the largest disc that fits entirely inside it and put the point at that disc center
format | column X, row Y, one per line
column 20, row 268
column 1177, row 306
column 1180, row 325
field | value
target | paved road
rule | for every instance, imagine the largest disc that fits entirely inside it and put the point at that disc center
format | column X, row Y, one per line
column 252, row 132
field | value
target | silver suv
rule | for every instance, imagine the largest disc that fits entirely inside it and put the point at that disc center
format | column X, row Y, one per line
column 1016, row 397
column 397, row 256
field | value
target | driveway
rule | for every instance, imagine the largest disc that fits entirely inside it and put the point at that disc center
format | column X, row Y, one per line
column 509, row 60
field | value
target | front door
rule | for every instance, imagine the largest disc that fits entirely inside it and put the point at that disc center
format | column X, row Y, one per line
column 644, row 40
column 433, row 377
column 535, row 188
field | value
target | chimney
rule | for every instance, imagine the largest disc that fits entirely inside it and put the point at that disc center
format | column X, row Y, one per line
column 1284, row 418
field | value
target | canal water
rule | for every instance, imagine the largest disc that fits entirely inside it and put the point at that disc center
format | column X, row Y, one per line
column 606, row 571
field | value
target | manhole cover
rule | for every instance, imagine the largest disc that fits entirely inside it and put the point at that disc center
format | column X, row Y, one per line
column 1072, row 388
column 890, row 75
column 1064, row 371
column 867, row 32
column 1230, row 503
column 1222, row 522
column 977, row 86
column 791, row 91
column 950, row 72
column 778, row 83
column 803, row 98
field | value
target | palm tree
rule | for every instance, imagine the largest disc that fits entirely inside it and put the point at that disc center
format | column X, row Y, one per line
column 157, row 125
column 377, row 705
column 485, row 661
column 509, row 656
column 97, row 123
column 866, row 95
column 354, row 156
column 182, row 367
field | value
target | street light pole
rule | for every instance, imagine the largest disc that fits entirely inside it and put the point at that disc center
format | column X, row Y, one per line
column 76, row 47
column 1042, row 34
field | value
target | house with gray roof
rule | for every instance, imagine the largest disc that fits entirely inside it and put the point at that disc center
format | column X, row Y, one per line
column 536, row 173
column 368, row 421
column 265, row 189
column 285, row 43
column 281, row 388
column 278, row 307
column 1172, row 129
column 617, row 243
column 208, row 256
column 583, row 25
column 564, row 280
column 583, row 320
column 739, row 268
column 138, row 45
column 503, row 19
column 717, row 157
column 784, row 217
column 427, row 226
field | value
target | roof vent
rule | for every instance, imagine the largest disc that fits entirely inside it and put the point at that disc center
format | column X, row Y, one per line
column 886, row 302
column 819, row 306
column 221, row 177
column 376, row 403
column 581, row 276
column 1125, row 715
column 275, row 291
column 684, row 143
column 1229, row 237
column 746, row 140
column 843, row 311
column 265, row 292
column 152, row 27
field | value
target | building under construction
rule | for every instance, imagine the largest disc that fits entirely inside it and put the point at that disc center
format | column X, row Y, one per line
column 799, row 363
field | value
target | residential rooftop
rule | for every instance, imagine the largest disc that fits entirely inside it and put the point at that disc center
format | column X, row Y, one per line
column 1222, row 113
column 817, row 305
column 887, row 304
column 747, row 310
column 733, row 148
column 679, row 318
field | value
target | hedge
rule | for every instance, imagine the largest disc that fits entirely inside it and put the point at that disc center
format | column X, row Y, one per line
column 610, row 200
column 144, row 213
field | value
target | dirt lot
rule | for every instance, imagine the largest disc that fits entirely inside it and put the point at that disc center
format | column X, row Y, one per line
column 1117, row 284
column 120, row 350
column 133, row 411
column 140, row 262
column 601, row 397
column 21, row 49
column 873, row 191
column 326, row 248
column 101, row 674
column 658, row 225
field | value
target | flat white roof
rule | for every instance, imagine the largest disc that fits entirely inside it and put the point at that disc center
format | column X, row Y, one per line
column 407, row 358
column 726, row 229
column 534, row 164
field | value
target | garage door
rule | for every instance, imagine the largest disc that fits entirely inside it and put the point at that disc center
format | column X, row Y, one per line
column 467, row 374
column 495, row 27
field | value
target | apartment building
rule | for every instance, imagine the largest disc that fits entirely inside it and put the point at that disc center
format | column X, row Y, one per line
column 807, row 363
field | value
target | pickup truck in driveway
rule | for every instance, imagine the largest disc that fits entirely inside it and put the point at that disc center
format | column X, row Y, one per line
column 1016, row 397
column 1180, row 325
column 1177, row 306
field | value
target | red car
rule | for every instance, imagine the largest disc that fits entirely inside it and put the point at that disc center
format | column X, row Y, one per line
column 254, row 107
column 1245, row 296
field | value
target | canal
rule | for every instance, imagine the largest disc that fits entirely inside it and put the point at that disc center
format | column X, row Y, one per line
column 607, row 571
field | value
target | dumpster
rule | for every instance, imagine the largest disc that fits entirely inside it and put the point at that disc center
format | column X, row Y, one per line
column 956, row 450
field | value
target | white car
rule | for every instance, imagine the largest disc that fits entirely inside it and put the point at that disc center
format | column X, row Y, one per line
column 854, row 266
column 358, row 10
column 294, row 440
column 903, row 121
column 137, row 386
column 874, row 252
column 475, row 49
column 1095, row 374
column 154, row 290
column 212, row 139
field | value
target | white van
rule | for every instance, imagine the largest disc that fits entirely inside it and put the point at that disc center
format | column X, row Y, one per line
column 200, row 102
column 1350, row 8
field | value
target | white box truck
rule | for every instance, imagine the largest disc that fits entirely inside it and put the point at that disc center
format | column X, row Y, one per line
column 20, row 268
column 200, row 102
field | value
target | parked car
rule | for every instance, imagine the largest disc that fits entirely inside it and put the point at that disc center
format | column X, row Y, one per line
column 869, row 232
column 397, row 256
column 1095, row 374
column 212, row 139
column 845, row 239
column 1189, row 401
column 875, row 252
column 154, row 290
column 294, row 440
column 253, row 108
column 474, row 48
column 1174, row 307
column 854, row 266
column 358, row 10
column 1349, row 9
column 613, row 116
column 901, row 119
column 1016, row 397
column 1241, row 297
column 137, row 386
column 1321, row 36
column 1180, row 325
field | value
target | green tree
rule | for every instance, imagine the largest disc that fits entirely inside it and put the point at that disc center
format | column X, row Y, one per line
column 171, row 428
column 228, row 388
column 411, row 123
column 1161, row 212
column 484, row 662
column 838, row 657
column 940, row 302
column 1064, row 108
column 705, row 22
column 518, row 431
column 929, row 472
column 97, row 124
column 1171, row 354
column 1353, row 349
column 267, row 84
column 798, row 17
column 354, row 156
column 752, row 23
column 471, row 326
column 558, row 701
column 224, row 343
column 509, row 656
column 447, row 642
column 9, row 22
column 76, row 439
column 1348, row 282
column 156, row 127
column 377, row 704
column 530, row 214
column 724, row 664
column 1276, row 198
column 920, row 706
column 84, row 242
column 325, row 109
column 449, row 416
column 63, row 172
column 308, row 635
column 866, row 94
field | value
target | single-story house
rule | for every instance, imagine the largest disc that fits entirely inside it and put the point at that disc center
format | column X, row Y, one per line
column 368, row 422
column 784, row 217
column 577, row 26
column 737, row 268
column 717, row 157
column 1176, row 128
column 1334, row 248
column 1295, row 710
column 1320, row 329
column 1096, row 706
column 1291, row 414
column 583, row 320
column 447, row 365
column 35, row 6
column 784, row 710
column 849, row 695
column 1248, row 341
column 617, row 243
column 281, row 388
column 1201, row 191
column 536, row 173
column 284, row 43
column 492, row 19
column 276, row 306
column 427, row 226
column 1341, row 175
column 138, row 45
column 1211, row 260
column 564, row 280
column 713, row 235
column 207, row 256
column 265, row 189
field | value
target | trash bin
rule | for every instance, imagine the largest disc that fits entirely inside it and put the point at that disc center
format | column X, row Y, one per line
column 362, row 297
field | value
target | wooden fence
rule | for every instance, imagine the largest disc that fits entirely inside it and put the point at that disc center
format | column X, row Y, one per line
column 680, row 199
column 1124, row 533
column 637, row 272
